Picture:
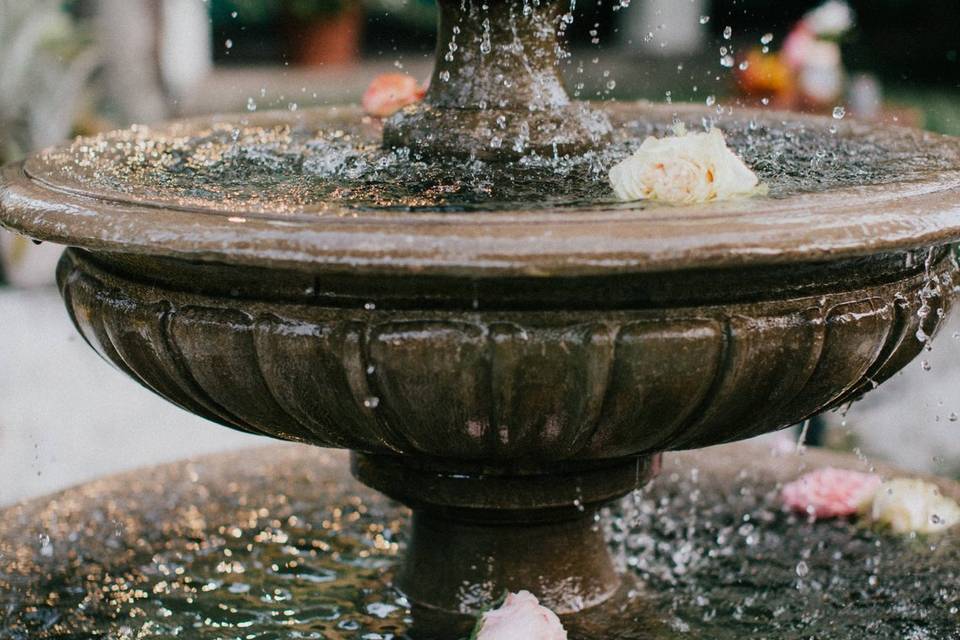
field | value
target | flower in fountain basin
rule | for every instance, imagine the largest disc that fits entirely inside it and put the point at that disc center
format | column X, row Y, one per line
column 684, row 169
column 390, row 92
column 908, row 505
column 520, row 617
column 831, row 493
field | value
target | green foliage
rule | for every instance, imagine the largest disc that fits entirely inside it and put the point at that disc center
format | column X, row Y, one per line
column 420, row 13
column 267, row 11
column 311, row 9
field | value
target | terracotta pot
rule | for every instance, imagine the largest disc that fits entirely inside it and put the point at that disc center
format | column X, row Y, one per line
column 330, row 40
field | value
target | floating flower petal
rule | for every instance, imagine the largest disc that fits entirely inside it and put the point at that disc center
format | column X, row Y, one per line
column 521, row 617
column 684, row 169
column 831, row 493
column 390, row 92
column 908, row 505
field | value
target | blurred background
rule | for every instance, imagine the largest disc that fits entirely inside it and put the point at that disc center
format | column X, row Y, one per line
column 84, row 66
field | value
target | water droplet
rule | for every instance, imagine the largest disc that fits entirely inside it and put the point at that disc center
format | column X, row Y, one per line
column 372, row 402
column 727, row 33
column 251, row 104
column 704, row 19
column 711, row 100
column 726, row 61
column 46, row 547
column 802, row 569
column 839, row 112
column 228, row 44
column 766, row 38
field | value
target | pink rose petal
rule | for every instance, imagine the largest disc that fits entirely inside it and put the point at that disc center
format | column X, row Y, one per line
column 797, row 45
column 830, row 493
column 390, row 92
column 521, row 617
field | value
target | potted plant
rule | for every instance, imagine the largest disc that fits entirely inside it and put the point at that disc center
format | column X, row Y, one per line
column 324, row 32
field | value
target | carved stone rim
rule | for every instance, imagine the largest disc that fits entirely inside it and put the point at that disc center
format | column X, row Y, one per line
column 805, row 228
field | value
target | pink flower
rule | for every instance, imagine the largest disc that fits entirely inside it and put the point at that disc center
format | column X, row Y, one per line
column 390, row 92
column 831, row 493
column 520, row 618
column 797, row 46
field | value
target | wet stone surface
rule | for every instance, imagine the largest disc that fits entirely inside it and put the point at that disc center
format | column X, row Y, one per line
column 331, row 162
column 280, row 543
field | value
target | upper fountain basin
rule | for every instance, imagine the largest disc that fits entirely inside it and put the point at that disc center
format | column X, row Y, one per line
column 313, row 191
column 283, row 274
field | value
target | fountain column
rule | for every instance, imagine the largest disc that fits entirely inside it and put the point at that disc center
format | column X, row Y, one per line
column 479, row 531
column 497, row 90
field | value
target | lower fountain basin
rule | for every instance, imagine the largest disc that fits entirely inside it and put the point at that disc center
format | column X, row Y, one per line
column 280, row 541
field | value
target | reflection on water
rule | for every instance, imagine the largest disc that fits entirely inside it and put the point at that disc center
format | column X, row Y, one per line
column 287, row 546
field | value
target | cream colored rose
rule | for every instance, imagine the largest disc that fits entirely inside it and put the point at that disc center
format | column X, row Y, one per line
column 908, row 505
column 521, row 617
column 684, row 169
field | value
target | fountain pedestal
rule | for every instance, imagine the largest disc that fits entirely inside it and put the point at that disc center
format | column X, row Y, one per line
column 479, row 532
column 496, row 90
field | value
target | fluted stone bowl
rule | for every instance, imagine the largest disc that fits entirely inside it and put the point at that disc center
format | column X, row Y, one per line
column 502, row 372
column 504, row 387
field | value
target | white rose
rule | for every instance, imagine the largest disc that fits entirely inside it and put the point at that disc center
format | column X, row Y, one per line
column 913, row 505
column 521, row 618
column 683, row 169
column 831, row 19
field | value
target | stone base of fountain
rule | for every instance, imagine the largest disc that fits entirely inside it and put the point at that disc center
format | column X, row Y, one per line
column 540, row 526
column 282, row 540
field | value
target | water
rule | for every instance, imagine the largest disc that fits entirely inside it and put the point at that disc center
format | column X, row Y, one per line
column 330, row 163
column 728, row 565
column 287, row 547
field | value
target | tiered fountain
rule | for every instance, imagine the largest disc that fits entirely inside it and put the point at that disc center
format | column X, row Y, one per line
column 504, row 348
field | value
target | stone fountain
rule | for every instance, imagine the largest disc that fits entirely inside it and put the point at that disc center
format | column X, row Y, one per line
column 504, row 355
